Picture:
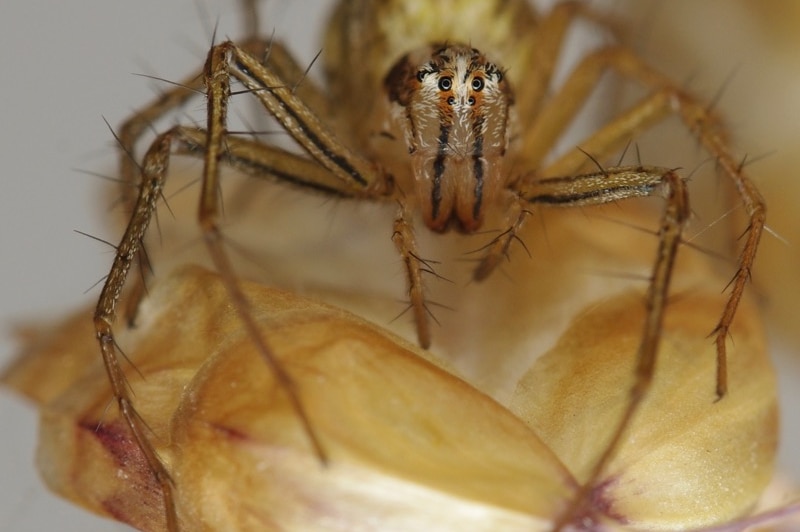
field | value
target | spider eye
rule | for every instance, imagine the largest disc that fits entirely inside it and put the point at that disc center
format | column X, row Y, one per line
column 445, row 83
column 477, row 84
column 421, row 75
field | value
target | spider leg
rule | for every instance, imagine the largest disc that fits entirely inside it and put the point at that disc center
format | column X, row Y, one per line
column 271, row 53
column 666, row 99
column 300, row 121
column 247, row 155
column 215, row 146
column 404, row 241
column 154, row 169
column 498, row 248
column 614, row 184
column 350, row 171
column 546, row 46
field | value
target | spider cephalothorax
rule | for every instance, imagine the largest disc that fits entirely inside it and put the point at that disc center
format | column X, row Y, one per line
column 453, row 106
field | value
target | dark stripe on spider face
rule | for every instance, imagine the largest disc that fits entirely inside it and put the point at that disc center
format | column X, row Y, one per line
column 593, row 197
column 477, row 164
column 334, row 158
column 438, row 170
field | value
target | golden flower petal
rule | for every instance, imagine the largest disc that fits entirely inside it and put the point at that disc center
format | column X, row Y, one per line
column 687, row 460
column 410, row 445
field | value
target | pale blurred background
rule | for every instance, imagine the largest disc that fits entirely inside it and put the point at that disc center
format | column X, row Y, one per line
column 68, row 65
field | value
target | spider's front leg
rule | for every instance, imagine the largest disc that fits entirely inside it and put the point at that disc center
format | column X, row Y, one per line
column 354, row 175
column 154, row 170
column 336, row 171
column 536, row 79
column 614, row 184
column 666, row 98
column 132, row 130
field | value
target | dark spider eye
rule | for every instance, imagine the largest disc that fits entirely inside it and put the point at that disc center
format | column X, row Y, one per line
column 445, row 83
column 451, row 100
column 421, row 75
column 477, row 84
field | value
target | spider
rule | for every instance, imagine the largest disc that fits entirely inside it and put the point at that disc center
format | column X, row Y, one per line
column 432, row 109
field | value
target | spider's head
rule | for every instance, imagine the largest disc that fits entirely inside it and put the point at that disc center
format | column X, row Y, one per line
column 453, row 106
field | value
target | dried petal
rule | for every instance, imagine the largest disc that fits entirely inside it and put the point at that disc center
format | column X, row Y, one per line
column 410, row 445
column 687, row 460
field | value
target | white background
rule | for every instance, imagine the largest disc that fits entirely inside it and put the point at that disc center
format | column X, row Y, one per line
column 65, row 66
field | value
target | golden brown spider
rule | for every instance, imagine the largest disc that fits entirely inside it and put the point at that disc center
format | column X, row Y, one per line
column 432, row 109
